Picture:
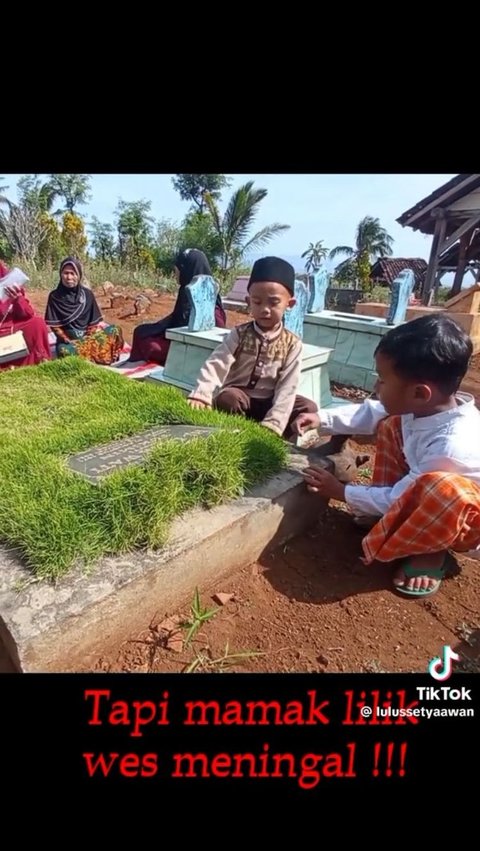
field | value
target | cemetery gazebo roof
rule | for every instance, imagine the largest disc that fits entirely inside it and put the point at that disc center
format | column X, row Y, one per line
column 452, row 215
column 419, row 216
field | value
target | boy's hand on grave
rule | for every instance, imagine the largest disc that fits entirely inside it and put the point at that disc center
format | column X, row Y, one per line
column 196, row 403
column 320, row 481
column 304, row 422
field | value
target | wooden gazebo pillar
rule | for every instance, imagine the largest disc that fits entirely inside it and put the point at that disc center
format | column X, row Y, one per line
column 436, row 250
column 460, row 271
column 440, row 244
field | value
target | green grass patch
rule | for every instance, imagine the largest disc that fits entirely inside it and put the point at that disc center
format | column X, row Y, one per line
column 56, row 518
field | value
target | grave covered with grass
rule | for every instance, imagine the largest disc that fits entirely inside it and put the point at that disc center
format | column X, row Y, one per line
column 56, row 518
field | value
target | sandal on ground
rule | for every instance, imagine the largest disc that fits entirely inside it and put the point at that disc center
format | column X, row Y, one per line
column 437, row 573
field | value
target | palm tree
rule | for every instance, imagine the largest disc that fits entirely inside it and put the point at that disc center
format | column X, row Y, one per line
column 233, row 228
column 315, row 253
column 371, row 242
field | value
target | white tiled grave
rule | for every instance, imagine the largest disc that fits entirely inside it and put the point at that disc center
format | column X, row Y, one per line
column 352, row 340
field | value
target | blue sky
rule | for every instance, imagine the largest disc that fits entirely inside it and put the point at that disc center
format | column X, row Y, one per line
column 316, row 206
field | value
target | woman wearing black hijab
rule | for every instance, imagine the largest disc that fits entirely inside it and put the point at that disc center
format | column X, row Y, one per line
column 149, row 342
column 73, row 315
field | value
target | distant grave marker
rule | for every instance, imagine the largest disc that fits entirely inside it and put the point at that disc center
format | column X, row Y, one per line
column 402, row 288
column 294, row 316
column 239, row 289
column 318, row 284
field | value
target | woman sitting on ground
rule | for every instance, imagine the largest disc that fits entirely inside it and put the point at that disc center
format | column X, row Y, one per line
column 149, row 342
column 74, row 317
column 17, row 314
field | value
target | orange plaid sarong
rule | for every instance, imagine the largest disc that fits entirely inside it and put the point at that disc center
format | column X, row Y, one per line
column 439, row 511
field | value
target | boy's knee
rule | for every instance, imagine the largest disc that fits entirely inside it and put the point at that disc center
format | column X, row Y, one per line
column 231, row 401
column 311, row 407
column 431, row 479
column 303, row 405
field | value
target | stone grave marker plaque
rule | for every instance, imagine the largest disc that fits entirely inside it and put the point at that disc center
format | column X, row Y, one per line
column 101, row 460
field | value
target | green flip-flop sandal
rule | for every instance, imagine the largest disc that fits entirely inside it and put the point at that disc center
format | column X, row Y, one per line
column 437, row 573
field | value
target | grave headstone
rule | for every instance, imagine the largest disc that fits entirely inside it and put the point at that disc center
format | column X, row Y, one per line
column 402, row 288
column 293, row 318
column 202, row 293
column 318, row 285
column 101, row 460
column 239, row 289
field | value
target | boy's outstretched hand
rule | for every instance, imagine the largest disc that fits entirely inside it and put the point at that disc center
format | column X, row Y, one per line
column 320, row 481
column 196, row 403
column 304, row 422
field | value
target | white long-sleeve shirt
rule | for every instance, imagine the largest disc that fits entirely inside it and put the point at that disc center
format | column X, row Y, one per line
column 447, row 442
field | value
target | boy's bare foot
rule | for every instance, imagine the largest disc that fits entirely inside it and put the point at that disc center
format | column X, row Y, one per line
column 421, row 575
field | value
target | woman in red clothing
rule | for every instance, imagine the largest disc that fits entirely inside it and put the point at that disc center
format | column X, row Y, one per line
column 17, row 314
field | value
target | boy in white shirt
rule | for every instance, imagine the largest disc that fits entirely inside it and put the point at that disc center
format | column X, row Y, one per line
column 425, row 494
